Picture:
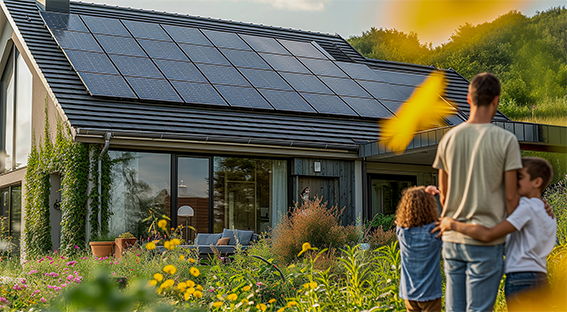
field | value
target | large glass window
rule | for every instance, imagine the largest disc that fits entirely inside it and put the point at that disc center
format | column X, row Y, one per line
column 7, row 113
column 250, row 194
column 193, row 195
column 23, row 124
column 386, row 191
column 11, row 216
column 140, row 183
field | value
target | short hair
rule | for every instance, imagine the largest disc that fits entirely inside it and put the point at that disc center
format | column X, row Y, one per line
column 416, row 208
column 538, row 168
column 484, row 88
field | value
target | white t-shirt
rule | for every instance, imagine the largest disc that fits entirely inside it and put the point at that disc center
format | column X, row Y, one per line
column 527, row 248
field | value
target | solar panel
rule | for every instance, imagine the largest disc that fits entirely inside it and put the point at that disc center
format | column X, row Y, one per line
column 136, row 66
column 241, row 58
column 76, row 40
column 392, row 105
column 223, row 75
column 163, row 50
column 404, row 90
column 198, row 93
column 265, row 79
column 146, row 30
column 345, row 87
column 120, row 45
column 91, row 62
column 381, row 90
column 226, row 40
column 299, row 48
column 63, row 21
column 201, row 54
column 328, row 104
column 106, row 26
column 402, row 78
column 107, row 85
column 308, row 83
column 287, row 101
column 285, row 63
column 187, row 35
column 323, row 67
column 154, row 89
column 367, row 107
column 264, row 44
column 359, row 71
column 180, row 71
column 243, row 97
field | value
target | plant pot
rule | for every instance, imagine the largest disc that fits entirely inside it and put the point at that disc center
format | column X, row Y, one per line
column 102, row 249
column 121, row 244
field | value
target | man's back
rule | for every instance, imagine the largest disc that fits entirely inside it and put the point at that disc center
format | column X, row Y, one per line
column 475, row 157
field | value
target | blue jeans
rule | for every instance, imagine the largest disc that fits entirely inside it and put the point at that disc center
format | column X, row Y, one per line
column 519, row 281
column 473, row 276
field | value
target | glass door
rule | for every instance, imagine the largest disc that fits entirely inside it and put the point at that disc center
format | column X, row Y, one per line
column 386, row 191
column 193, row 196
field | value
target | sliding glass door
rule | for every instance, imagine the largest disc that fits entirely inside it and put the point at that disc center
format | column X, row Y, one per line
column 193, row 196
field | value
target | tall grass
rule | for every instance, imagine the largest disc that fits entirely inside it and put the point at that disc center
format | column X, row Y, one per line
column 551, row 111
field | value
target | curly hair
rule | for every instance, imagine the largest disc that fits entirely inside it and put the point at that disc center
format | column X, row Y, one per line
column 416, row 208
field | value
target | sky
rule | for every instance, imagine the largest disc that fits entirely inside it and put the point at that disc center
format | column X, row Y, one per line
column 433, row 20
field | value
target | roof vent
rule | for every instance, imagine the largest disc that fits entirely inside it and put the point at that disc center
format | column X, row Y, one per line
column 54, row 5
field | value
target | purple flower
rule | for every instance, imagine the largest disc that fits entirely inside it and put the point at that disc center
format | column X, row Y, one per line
column 70, row 277
column 3, row 300
column 76, row 247
column 72, row 263
column 43, row 300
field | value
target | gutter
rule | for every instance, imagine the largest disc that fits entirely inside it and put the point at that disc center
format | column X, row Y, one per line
column 107, row 137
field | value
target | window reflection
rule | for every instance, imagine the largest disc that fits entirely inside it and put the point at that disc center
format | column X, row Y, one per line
column 7, row 114
column 193, row 191
column 23, row 113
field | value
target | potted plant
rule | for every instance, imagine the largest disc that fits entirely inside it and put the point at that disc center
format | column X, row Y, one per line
column 123, row 242
column 102, row 246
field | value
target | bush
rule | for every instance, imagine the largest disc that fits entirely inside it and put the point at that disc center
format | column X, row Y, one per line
column 311, row 222
column 379, row 237
column 384, row 221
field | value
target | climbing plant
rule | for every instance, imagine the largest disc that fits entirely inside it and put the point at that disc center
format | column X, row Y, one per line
column 71, row 160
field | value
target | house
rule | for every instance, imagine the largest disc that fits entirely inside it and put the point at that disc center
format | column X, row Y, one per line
column 235, row 120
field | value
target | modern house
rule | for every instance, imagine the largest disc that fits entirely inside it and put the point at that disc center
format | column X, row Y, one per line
column 236, row 120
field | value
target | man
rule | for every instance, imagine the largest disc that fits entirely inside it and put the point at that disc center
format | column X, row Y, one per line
column 478, row 165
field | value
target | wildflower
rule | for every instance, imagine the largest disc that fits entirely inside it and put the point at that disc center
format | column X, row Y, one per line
column 232, row 297
column 199, row 288
column 194, row 271
column 43, row 300
column 71, row 263
column 311, row 285
column 181, row 257
column 176, row 242
column 152, row 282
column 272, row 300
column 291, row 304
column 167, row 283
column 281, row 309
column 191, row 260
column 261, row 306
column 246, row 288
column 305, row 247
column 217, row 304
column 162, row 224
column 190, row 283
column 186, row 296
column 158, row 277
column 190, row 290
column 76, row 247
column 181, row 286
column 169, row 269
column 198, row 294
column 150, row 246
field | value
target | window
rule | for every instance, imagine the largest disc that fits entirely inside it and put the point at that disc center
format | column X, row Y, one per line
column 15, row 113
column 11, row 215
column 386, row 191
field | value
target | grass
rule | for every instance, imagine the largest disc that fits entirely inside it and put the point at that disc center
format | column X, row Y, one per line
column 547, row 111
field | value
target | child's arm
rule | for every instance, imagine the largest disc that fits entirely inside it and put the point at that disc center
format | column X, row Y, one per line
column 477, row 231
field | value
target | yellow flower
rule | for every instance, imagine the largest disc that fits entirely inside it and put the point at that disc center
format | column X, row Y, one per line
column 219, row 297
column 181, row 286
column 186, row 296
column 190, row 283
column 169, row 269
column 198, row 294
column 168, row 245
column 217, row 304
column 199, row 287
column 158, row 277
column 152, row 282
column 191, row 260
column 232, row 297
column 305, row 247
column 167, row 283
column 150, row 246
column 162, row 224
column 272, row 300
column 181, row 257
column 246, row 288
column 261, row 306
column 291, row 304
column 176, row 242
column 194, row 271
column 190, row 290
column 281, row 309
column 311, row 285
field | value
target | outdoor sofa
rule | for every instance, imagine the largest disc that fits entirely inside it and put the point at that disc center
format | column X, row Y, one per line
column 224, row 243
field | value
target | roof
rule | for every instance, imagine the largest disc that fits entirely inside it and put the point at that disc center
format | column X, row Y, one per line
column 87, row 114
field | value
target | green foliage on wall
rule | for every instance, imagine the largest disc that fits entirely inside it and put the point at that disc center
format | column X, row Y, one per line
column 71, row 160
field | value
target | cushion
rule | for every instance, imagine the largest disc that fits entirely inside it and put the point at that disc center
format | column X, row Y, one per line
column 244, row 237
column 223, row 241
column 207, row 239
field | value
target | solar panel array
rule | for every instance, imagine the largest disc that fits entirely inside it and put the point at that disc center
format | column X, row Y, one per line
column 149, row 61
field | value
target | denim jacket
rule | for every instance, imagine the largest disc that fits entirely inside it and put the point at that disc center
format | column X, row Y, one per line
column 420, row 251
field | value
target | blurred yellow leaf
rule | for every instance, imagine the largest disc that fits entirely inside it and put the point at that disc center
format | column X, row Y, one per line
column 423, row 110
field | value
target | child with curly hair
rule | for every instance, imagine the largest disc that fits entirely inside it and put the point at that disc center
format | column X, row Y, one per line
column 420, row 281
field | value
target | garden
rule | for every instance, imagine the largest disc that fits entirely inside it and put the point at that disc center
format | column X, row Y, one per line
column 309, row 262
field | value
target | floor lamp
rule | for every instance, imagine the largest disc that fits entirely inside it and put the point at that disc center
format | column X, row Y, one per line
column 186, row 211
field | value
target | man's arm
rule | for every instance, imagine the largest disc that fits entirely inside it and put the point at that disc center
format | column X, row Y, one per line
column 443, row 184
column 477, row 231
column 511, row 190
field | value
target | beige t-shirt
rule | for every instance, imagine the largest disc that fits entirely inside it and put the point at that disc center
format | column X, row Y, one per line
column 475, row 157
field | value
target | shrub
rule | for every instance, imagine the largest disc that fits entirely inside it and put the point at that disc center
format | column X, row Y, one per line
column 381, row 220
column 311, row 222
column 379, row 237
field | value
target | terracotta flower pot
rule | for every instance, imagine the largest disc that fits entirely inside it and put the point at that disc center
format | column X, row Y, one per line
column 102, row 249
column 121, row 244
